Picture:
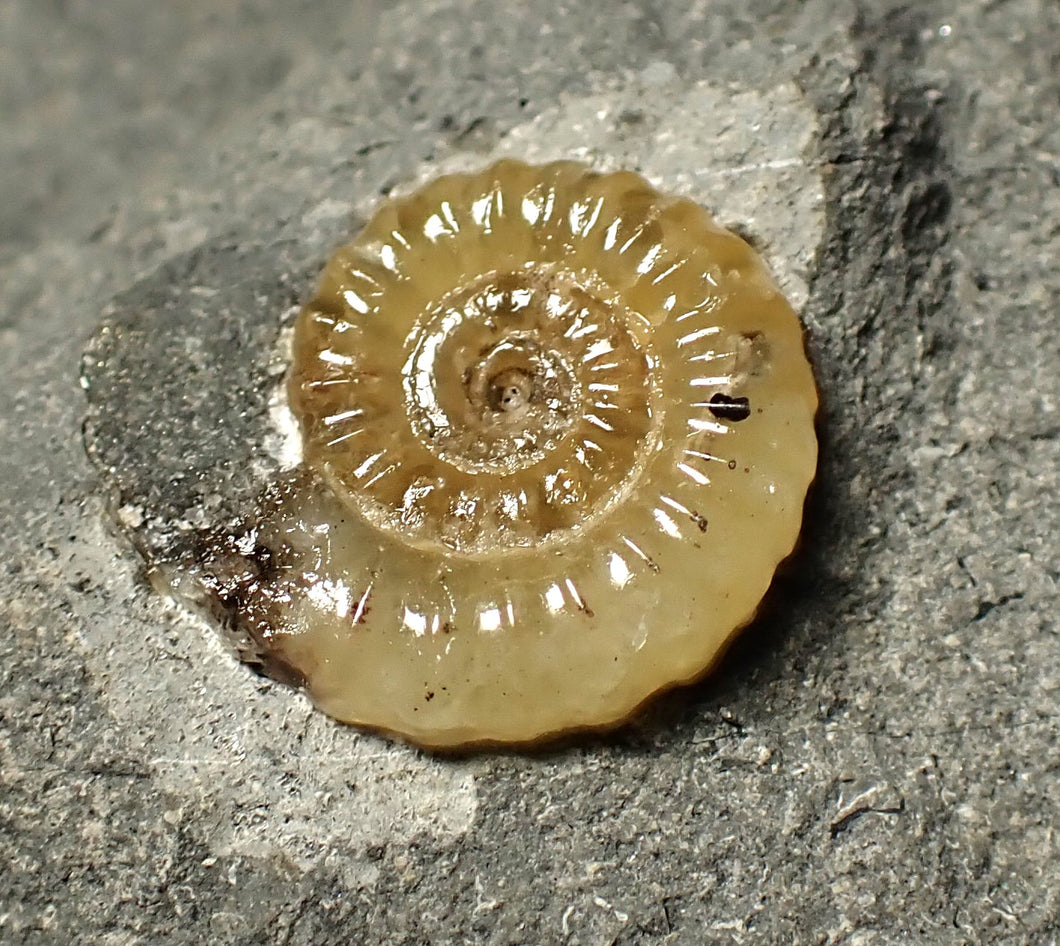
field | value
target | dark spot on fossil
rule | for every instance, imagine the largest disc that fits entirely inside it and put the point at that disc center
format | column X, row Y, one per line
column 725, row 407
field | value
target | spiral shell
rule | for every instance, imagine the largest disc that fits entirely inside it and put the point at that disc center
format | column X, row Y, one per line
column 561, row 427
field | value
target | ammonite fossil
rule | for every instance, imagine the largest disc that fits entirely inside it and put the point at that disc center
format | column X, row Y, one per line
column 560, row 429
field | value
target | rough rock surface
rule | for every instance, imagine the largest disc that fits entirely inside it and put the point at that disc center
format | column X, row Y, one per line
column 876, row 761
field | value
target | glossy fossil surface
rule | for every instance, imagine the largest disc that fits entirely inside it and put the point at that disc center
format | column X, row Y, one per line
column 558, row 432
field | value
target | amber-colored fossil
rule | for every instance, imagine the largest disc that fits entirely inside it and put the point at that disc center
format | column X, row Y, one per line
column 562, row 430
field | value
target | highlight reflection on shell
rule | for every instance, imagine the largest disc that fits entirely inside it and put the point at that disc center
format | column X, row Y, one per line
column 564, row 427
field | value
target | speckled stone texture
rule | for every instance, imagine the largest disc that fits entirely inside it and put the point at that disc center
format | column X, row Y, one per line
column 878, row 761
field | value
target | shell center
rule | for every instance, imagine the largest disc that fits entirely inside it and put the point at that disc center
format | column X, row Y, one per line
column 491, row 381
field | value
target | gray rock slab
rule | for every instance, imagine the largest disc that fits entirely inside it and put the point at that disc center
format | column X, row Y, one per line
column 876, row 761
